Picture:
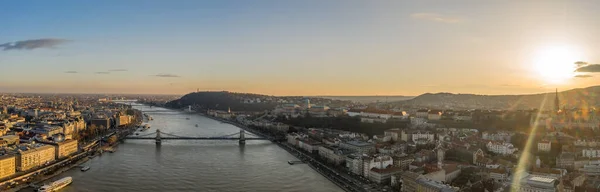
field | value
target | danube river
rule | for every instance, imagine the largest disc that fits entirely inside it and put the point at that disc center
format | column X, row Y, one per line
column 139, row 165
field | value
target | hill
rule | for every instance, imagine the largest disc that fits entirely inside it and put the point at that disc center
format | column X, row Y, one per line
column 575, row 98
column 225, row 100
column 367, row 99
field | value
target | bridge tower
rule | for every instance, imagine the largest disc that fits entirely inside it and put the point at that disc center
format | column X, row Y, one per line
column 157, row 139
column 242, row 137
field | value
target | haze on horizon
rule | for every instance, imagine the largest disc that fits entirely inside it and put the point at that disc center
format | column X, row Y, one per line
column 347, row 47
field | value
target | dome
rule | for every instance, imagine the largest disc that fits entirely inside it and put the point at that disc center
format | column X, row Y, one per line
column 58, row 137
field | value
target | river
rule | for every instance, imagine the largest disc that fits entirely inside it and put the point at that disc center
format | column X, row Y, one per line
column 140, row 165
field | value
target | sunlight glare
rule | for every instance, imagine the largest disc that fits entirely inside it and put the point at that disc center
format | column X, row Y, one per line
column 555, row 64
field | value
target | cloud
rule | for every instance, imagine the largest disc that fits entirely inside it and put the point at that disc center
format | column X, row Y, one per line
column 32, row 44
column 102, row 72
column 436, row 17
column 118, row 70
column 591, row 68
column 70, row 71
column 581, row 63
column 583, row 76
column 166, row 75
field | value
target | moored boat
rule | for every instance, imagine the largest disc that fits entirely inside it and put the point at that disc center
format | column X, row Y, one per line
column 85, row 168
column 56, row 185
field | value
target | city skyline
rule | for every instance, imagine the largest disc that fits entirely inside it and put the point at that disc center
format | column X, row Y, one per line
column 299, row 48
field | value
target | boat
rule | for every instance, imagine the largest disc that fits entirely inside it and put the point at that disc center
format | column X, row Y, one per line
column 187, row 118
column 85, row 168
column 146, row 126
column 196, row 125
column 56, row 185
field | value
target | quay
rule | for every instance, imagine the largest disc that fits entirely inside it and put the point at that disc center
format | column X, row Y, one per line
column 295, row 162
column 320, row 168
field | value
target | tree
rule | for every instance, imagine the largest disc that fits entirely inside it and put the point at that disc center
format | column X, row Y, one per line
column 112, row 139
column 91, row 130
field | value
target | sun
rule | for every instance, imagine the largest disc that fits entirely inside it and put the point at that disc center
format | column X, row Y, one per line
column 555, row 64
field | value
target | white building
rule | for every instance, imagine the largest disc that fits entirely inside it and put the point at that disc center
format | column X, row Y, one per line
column 544, row 146
column 423, row 137
column 499, row 136
column 354, row 164
column 536, row 183
column 395, row 134
column 501, row 148
column 332, row 154
column 379, row 162
column 498, row 174
column 309, row 145
column 434, row 115
column 358, row 146
column 422, row 113
column 590, row 153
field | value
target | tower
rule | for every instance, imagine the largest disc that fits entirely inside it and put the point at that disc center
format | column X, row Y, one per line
column 440, row 154
column 242, row 140
column 556, row 103
column 158, row 139
column 307, row 103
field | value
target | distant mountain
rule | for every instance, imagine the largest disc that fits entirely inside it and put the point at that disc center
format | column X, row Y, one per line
column 225, row 100
column 575, row 98
column 367, row 99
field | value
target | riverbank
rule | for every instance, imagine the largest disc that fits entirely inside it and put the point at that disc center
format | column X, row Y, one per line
column 334, row 178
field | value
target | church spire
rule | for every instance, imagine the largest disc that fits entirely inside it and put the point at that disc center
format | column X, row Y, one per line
column 556, row 102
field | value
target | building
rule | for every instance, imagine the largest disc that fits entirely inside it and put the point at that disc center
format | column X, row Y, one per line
column 592, row 153
column 288, row 109
column 426, row 185
column 379, row 162
column 66, row 148
column 535, row 183
column 318, row 111
column 452, row 171
column 434, row 115
column 332, row 154
column 572, row 180
column 11, row 139
column 565, row 160
column 32, row 156
column 358, row 146
column 100, row 122
column 592, row 168
column 409, row 181
column 7, row 165
column 501, row 148
column 423, row 137
column 309, row 145
column 403, row 162
column 123, row 120
column 48, row 130
column 497, row 136
column 544, row 146
column 498, row 174
column 395, row 134
column 354, row 163
column 422, row 113
column 383, row 176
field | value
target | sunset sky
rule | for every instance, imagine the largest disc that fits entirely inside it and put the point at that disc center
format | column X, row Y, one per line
column 334, row 47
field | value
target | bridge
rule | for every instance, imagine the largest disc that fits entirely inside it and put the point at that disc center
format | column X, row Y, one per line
column 158, row 137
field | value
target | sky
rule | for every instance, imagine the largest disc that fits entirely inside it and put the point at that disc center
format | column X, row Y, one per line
column 310, row 47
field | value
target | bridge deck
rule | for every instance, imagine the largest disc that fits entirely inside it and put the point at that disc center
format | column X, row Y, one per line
column 192, row 138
